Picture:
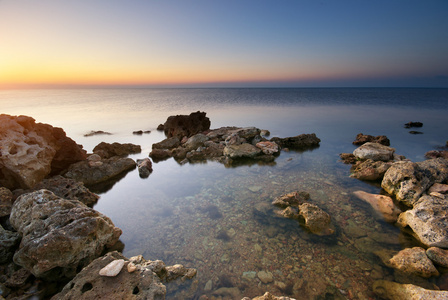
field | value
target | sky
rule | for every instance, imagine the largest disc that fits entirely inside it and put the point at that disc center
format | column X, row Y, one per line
column 208, row 43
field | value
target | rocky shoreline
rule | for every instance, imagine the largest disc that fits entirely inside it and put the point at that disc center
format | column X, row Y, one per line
column 50, row 234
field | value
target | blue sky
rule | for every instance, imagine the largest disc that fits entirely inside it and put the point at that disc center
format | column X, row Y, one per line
column 223, row 43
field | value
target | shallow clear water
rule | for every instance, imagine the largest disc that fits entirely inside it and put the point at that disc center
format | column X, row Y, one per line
column 220, row 220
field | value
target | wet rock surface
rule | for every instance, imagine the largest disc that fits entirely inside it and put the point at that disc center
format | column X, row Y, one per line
column 59, row 236
column 31, row 151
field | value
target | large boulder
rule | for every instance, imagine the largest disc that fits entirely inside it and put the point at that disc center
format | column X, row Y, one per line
column 30, row 151
column 374, row 151
column 428, row 221
column 303, row 141
column 396, row 291
column 106, row 150
column 59, row 236
column 407, row 181
column 93, row 172
column 183, row 125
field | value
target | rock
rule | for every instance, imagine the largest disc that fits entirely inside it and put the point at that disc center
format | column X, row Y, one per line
column 160, row 154
column 113, row 268
column 415, row 132
column 303, row 141
column 265, row 132
column 169, row 143
column 348, row 158
column 31, row 151
column 90, row 175
column 289, row 213
column 413, row 261
column 59, row 235
column 407, row 181
column 183, row 125
column 131, row 267
column 5, row 201
column 144, row 167
column 383, row 205
column 8, row 243
column 374, row 151
column 291, row 199
column 316, row 220
column 195, row 141
column 361, row 139
column 396, row 291
column 234, row 139
column 438, row 256
column 68, row 189
column 228, row 293
column 265, row 277
column 240, row 151
column 428, row 221
column 413, row 124
column 18, row 278
column 438, row 188
column 437, row 153
column 208, row 286
column 106, row 150
column 97, row 132
column 160, row 127
column 88, row 284
column 267, row 147
column 370, row 170
column 140, row 132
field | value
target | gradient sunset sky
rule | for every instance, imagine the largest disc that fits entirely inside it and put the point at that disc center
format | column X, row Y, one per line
column 243, row 43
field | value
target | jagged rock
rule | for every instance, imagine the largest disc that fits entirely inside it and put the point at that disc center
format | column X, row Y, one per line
column 8, row 243
column 365, row 138
column 374, row 151
column 240, row 151
column 396, row 291
column 302, row 141
column 58, row 235
column 428, row 221
column 413, row 261
column 168, row 143
column 195, row 141
column 436, row 154
column 267, row 147
column 88, row 284
column 31, row 151
column 183, row 125
column 144, row 167
column 5, row 201
column 291, row 199
column 90, row 175
column 370, row 170
column 407, row 181
column 438, row 256
column 384, row 206
column 113, row 268
column 316, row 220
column 106, row 150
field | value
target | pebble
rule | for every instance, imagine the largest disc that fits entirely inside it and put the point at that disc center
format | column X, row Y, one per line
column 131, row 267
column 265, row 277
column 113, row 268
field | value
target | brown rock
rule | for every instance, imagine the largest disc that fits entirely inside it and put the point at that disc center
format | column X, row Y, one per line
column 5, row 201
column 438, row 188
column 413, row 261
column 316, row 220
column 303, row 141
column 106, row 150
column 183, row 125
column 438, row 256
column 383, row 205
column 396, row 291
column 365, row 138
column 291, row 199
column 348, row 158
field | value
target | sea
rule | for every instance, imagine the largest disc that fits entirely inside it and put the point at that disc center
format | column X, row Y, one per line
column 219, row 219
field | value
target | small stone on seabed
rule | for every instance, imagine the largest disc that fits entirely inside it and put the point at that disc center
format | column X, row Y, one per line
column 113, row 268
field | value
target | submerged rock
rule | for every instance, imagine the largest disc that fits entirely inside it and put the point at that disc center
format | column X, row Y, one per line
column 396, row 291
column 59, row 236
column 374, row 151
column 5, row 201
column 97, row 132
column 428, row 221
column 383, row 205
column 31, row 151
column 316, row 220
column 291, row 199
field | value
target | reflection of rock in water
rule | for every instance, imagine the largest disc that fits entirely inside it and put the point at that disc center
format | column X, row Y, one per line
column 212, row 211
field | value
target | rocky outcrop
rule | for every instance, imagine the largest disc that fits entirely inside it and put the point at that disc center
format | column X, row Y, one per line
column 384, row 206
column 31, row 151
column 113, row 276
column 374, row 151
column 407, row 181
column 9, row 241
column 370, row 170
column 5, row 201
column 428, row 221
column 396, row 291
column 303, row 141
column 183, row 125
column 97, row 171
column 59, row 236
column 106, row 150
column 413, row 261
column 144, row 167
column 361, row 139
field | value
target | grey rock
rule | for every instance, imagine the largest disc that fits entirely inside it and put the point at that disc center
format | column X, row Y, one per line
column 302, row 141
column 5, row 201
column 316, row 220
column 265, row 277
column 195, row 141
column 374, row 151
column 8, row 243
column 240, row 151
column 370, row 170
column 438, row 256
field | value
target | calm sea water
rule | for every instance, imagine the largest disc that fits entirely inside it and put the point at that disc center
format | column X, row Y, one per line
column 220, row 220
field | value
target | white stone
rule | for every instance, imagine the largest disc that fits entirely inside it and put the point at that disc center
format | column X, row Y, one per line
column 113, row 268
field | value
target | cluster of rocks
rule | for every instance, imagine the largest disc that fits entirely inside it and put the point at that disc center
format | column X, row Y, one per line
column 189, row 139
column 421, row 189
column 295, row 206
